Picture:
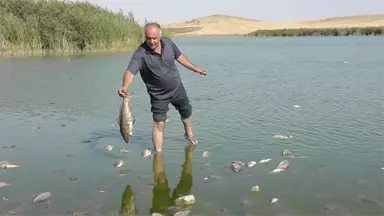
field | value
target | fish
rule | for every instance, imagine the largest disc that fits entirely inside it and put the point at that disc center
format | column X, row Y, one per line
column 277, row 136
column 241, row 163
column 265, row 160
column 118, row 163
column 286, row 152
column 108, row 148
column 251, row 163
column 123, row 150
column 236, row 167
column 274, row 200
column 128, row 202
column 206, row 154
column 4, row 184
column 42, row 197
column 255, row 188
column 147, row 152
column 277, row 170
column 126, row 119
column 7, row 165
column 283, row 165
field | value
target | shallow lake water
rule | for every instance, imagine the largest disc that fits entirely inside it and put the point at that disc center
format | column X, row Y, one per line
column 58, row 113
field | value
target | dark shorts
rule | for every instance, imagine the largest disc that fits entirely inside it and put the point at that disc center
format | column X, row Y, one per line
column 179, row 100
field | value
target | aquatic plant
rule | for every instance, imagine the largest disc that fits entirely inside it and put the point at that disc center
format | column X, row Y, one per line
column 41, row 27
column 351, row 31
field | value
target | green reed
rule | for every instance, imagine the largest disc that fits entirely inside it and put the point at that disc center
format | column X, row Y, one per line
column 41, row 27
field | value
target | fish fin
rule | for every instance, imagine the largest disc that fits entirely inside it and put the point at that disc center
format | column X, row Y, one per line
column 134, row 120
column 117, row 120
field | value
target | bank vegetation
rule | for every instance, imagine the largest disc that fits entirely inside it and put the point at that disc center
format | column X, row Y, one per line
column 349, row 31
column 41, row 27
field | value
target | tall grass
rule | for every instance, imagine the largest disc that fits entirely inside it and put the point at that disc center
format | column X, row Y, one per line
column 41, row 27
column 352, row 31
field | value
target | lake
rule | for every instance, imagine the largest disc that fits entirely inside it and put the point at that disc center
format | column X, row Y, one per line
column 58, row 113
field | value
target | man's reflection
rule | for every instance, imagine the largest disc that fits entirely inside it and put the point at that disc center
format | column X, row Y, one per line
column 161, row 199
column 128, row 203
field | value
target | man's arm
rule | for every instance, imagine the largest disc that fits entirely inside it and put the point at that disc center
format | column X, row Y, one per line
column 182, row 59
column 186, row 63
column 135, row 64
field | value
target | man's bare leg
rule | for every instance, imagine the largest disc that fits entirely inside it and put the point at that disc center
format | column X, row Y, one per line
column 158, row 136
column 187, row 122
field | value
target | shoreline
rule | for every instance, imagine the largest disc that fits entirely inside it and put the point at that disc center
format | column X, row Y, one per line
column 309, row 32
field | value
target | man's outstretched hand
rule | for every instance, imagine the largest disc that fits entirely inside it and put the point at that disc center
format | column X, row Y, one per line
column 200, row 70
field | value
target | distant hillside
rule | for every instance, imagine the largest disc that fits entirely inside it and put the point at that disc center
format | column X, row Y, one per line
column 230, row 25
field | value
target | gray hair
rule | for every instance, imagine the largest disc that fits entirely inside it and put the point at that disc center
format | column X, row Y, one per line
column 154, row 24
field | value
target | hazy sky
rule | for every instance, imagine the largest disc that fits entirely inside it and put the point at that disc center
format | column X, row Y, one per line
column 165, row 11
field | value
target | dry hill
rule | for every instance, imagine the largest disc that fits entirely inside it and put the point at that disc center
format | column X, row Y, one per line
column 230, row 25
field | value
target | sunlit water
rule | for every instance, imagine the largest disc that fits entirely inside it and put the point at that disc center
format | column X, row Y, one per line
column 48, row 106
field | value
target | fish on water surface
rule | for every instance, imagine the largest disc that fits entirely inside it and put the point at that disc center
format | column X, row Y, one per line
column 4, row 184
column 7, row 165
column 108, row 148
column 277, row 170
column 118, row 163
column 147, row 152
column 126, row 119
column 241, row 163
column 283, row 164
column 286, row 152
column 42, row 197
column 128, row 202
column 274, row 200
column 278, row 136
column 251, row 163
column 265, row 160
column 236, row 167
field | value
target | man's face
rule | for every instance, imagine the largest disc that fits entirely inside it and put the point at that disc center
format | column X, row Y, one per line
column 152, row 37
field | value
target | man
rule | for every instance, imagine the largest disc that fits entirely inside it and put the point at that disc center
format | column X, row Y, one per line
column 155, row 59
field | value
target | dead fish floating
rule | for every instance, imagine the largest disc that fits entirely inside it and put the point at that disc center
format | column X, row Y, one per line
column 289, row 154
column 278, row 136
column 286, row 152
column 123, row 150
column 265, row 160
column 108, row 148
column 7, row 165
column 42, row 197
column 251, row 163
column 283, row 166
column 146, row 153
column 236, row 167
column 4, row 184
column 118, row 163
column 126, row 119
column 274, row 200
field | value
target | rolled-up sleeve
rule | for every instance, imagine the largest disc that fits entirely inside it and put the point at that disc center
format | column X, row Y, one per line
column 136, row 62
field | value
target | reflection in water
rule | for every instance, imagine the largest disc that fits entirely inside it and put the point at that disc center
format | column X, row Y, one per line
column 161, row 200
column 128, row 203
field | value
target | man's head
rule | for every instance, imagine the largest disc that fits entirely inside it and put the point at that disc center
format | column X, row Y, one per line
column 152, row 35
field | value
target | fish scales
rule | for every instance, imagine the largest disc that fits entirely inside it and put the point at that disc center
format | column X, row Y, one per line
column 126, row 119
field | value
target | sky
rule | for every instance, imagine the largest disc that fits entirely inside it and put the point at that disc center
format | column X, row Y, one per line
column 168, row 11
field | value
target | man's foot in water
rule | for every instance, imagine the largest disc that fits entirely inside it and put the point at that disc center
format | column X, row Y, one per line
column 191, row 139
